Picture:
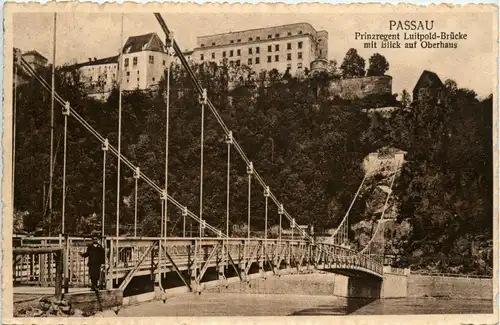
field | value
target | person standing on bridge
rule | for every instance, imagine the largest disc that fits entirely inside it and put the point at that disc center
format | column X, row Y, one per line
column 96, row 256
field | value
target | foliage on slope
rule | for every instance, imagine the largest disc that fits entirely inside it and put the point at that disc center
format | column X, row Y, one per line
column 308, row 147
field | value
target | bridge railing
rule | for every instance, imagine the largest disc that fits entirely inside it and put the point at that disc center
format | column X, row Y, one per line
column 40, row 269
column 124, row 254
column 350, row 257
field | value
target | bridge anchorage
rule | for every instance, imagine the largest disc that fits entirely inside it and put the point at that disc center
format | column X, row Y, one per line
column 188, row 263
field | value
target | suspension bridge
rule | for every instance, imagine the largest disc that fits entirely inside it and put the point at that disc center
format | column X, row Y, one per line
column 55, row 262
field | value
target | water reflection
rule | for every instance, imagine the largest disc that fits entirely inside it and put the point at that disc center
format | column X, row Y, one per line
column 240, row 304
column 342, row 307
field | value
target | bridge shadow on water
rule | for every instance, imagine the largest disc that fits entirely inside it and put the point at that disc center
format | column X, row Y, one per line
column 346, row 307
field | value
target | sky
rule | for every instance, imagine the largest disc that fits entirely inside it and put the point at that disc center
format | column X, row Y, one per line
column 83, row 35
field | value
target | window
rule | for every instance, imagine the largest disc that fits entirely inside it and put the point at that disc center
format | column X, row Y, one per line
column 128, row 81
column 213, row 55
column 137, row 71
column 250, row 39
column 299, row 55
column 126, row 62
column 300, row 32
column 231, row 53
column 134, row 62
column 289, row 56
column 320, row 52
column 164, row 62
column 239, row 41
column 153, row 79
column 232, row 42
column 201, row 57
column 289, row 34
column 257, row 50
column 289, row 65
column 137, row 79
column 288, row 46
column 276, row 58
column 128, row 73
column 238, row 52
column 269, row 36
column 151, row 59
column 257, row 60
column 299, row 65
column 277, row 47
column 238, row 62
column 257, row 38
column 269, row 48
column 213, row 43
column 113, row 75
column 249, row 50
column 268, row 58
column 224, row 54
column 249, row 61
column 277, row 35
column 202, row 45
column 300, row 45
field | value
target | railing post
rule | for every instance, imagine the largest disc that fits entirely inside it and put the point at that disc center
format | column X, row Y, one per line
column 59, row 273
column 266, row 196
column 66, row 265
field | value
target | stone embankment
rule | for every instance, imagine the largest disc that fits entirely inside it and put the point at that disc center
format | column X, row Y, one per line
column 448, row 287
column 46, row 307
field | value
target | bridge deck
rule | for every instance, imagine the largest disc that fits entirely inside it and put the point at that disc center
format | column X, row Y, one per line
column 194, row 260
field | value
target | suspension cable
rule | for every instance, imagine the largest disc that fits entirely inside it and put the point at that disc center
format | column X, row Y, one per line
column 137, row 175
column 119, row 156
column 219, row 119
column 266, row 196
column 249, row 172
column 214, row 111
column 346, row 216
column 66, row 112
column 229, row 141
column 203, row 101
column 51, row 167
column 112, row 149
column 167, row 118
column 105, row 148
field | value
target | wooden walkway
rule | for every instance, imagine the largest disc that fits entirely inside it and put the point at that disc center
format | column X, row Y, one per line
column 192, row 260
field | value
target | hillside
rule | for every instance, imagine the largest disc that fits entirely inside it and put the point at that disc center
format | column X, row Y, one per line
column 307, row 146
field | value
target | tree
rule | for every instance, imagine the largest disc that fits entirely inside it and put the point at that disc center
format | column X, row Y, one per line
column 353, row 65
column 377, row 65
column 405, row 99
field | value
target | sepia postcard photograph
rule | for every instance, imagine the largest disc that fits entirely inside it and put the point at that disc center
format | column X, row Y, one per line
column 191, row 164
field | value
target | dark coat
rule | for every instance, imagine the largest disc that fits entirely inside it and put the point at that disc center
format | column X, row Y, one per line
column 95, row 255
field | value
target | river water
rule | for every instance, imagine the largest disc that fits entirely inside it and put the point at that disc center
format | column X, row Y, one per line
column 237, row 304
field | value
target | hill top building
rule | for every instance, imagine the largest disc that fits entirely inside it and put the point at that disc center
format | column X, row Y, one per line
column 293, row 46
column 144, row 57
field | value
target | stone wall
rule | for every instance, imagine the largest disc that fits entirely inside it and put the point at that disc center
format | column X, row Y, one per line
column 449, row 287
column 395, row 285
column 299, row 284
column 358, row 88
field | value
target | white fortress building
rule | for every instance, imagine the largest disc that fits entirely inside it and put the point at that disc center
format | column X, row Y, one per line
column 143, row 61
column 144, row 57
column 293, row 46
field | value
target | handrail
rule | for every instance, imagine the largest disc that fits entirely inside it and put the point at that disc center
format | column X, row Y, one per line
column 451, row 275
